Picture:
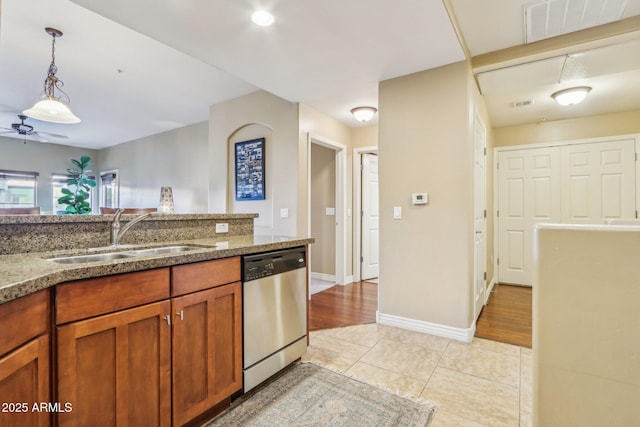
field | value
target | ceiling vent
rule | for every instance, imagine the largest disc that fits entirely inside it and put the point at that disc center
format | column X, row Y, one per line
column 523, row 103
column 544, row 19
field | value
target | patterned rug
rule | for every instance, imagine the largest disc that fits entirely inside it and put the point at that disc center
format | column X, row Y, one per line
column 308, row 395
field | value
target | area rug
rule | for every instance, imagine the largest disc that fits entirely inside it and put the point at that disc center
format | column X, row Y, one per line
column 308, row 395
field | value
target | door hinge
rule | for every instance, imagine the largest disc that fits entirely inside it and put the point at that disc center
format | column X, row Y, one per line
column 497, row 261
column 485, row 275
column 485, row 151
column 485, row 213
column 361, row 259
column 498, row 214
column 636, row 214
column 497, row 165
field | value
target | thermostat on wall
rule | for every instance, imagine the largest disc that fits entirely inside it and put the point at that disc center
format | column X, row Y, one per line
column 420, row 198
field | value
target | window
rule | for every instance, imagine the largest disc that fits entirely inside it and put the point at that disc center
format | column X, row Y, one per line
column 18, row 189
column 58, row 182
column 109, row 189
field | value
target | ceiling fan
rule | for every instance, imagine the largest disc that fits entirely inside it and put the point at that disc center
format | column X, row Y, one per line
column 27, row 130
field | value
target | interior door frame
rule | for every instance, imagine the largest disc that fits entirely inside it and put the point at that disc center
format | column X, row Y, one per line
column 341, row 200
column 477, row 275
column 496, row 198
column 357, row 196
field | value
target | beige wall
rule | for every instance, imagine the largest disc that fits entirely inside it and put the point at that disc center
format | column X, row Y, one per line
column 323, row 195
column 364, row 136
column 238, row 118
column 585, row 332
column 45, row 158
column 623, row 123
column 176, row 159
column 425, row 145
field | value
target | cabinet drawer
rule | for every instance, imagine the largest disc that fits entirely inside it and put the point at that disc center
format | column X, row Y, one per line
column 81, row 299
column 24, row 319
column 204, row 275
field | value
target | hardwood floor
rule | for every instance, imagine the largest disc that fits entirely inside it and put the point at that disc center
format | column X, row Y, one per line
column 507, row 316
column 343, row 306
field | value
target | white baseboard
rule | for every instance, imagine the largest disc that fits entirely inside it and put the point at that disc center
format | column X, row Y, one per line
column 458, row 334
column 487, row 294
column 324, row 277
column 348, row 280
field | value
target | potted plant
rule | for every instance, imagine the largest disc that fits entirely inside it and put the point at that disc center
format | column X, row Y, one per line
column 77, row 194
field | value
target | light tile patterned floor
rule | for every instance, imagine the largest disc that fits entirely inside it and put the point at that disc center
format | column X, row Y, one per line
column 484, row 383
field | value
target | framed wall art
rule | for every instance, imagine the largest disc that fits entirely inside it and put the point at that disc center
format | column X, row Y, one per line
column 249, row 156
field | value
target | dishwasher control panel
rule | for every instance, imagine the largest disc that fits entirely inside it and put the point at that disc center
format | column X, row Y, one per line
column 270, row 263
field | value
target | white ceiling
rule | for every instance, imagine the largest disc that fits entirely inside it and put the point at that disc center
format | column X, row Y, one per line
column 613, row 71
column 181, row 56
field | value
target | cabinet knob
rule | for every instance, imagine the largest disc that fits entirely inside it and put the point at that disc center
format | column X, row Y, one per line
column 168, row 319
column 180, row 314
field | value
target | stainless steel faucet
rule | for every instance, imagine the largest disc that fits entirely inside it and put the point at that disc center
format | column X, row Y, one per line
column 117, row 232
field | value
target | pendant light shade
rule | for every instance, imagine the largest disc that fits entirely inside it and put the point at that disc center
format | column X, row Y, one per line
column 363, row 114
column 51, row 110
column 49, row 107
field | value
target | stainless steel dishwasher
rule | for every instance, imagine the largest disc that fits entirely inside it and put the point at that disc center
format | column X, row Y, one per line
column 274, row 312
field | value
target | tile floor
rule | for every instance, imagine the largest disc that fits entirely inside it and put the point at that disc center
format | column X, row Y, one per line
column 484, row 383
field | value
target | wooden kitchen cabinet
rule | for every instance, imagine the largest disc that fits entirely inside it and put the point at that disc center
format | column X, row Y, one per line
column 114, row 350
column 115, row 369
column 207, row 350
column 24, row 361
column 159, row 347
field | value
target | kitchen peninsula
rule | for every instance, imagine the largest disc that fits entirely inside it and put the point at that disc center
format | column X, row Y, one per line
column 153, row 337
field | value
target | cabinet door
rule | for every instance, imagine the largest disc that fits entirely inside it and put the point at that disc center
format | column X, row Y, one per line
column 115, row 369
column 207, row 350
column 24, row 381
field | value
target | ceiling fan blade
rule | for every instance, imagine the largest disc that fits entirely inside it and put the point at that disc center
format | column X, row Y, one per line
column 53, row 135
column 37, row 137
column 7, row 130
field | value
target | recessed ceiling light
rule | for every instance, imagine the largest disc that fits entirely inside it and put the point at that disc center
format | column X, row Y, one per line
column 262, row 18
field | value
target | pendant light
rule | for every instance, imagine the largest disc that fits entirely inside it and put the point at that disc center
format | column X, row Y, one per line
column 52, row 108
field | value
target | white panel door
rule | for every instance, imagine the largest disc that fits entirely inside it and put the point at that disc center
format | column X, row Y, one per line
column 528, row 193
column 598, row 182
column 480, row 214
column 370, row 217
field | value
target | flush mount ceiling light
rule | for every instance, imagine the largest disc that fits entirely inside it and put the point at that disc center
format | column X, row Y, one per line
column 52, row 108
column 571, row 96
column 262, row 18
column 363, row 114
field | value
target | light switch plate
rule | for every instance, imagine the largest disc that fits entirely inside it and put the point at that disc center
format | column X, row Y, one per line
column 284, row 213
column 397, row 212
column 330, row 211
column 222, row 227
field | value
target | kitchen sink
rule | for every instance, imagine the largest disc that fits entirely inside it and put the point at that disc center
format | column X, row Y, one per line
column 81, row 259
column 162, row 250
column 110, row 256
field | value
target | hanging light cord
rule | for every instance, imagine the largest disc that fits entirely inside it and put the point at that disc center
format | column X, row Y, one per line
column 51, row 83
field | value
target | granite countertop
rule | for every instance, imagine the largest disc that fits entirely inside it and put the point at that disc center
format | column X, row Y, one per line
column 23, row 274
column 62, row 219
